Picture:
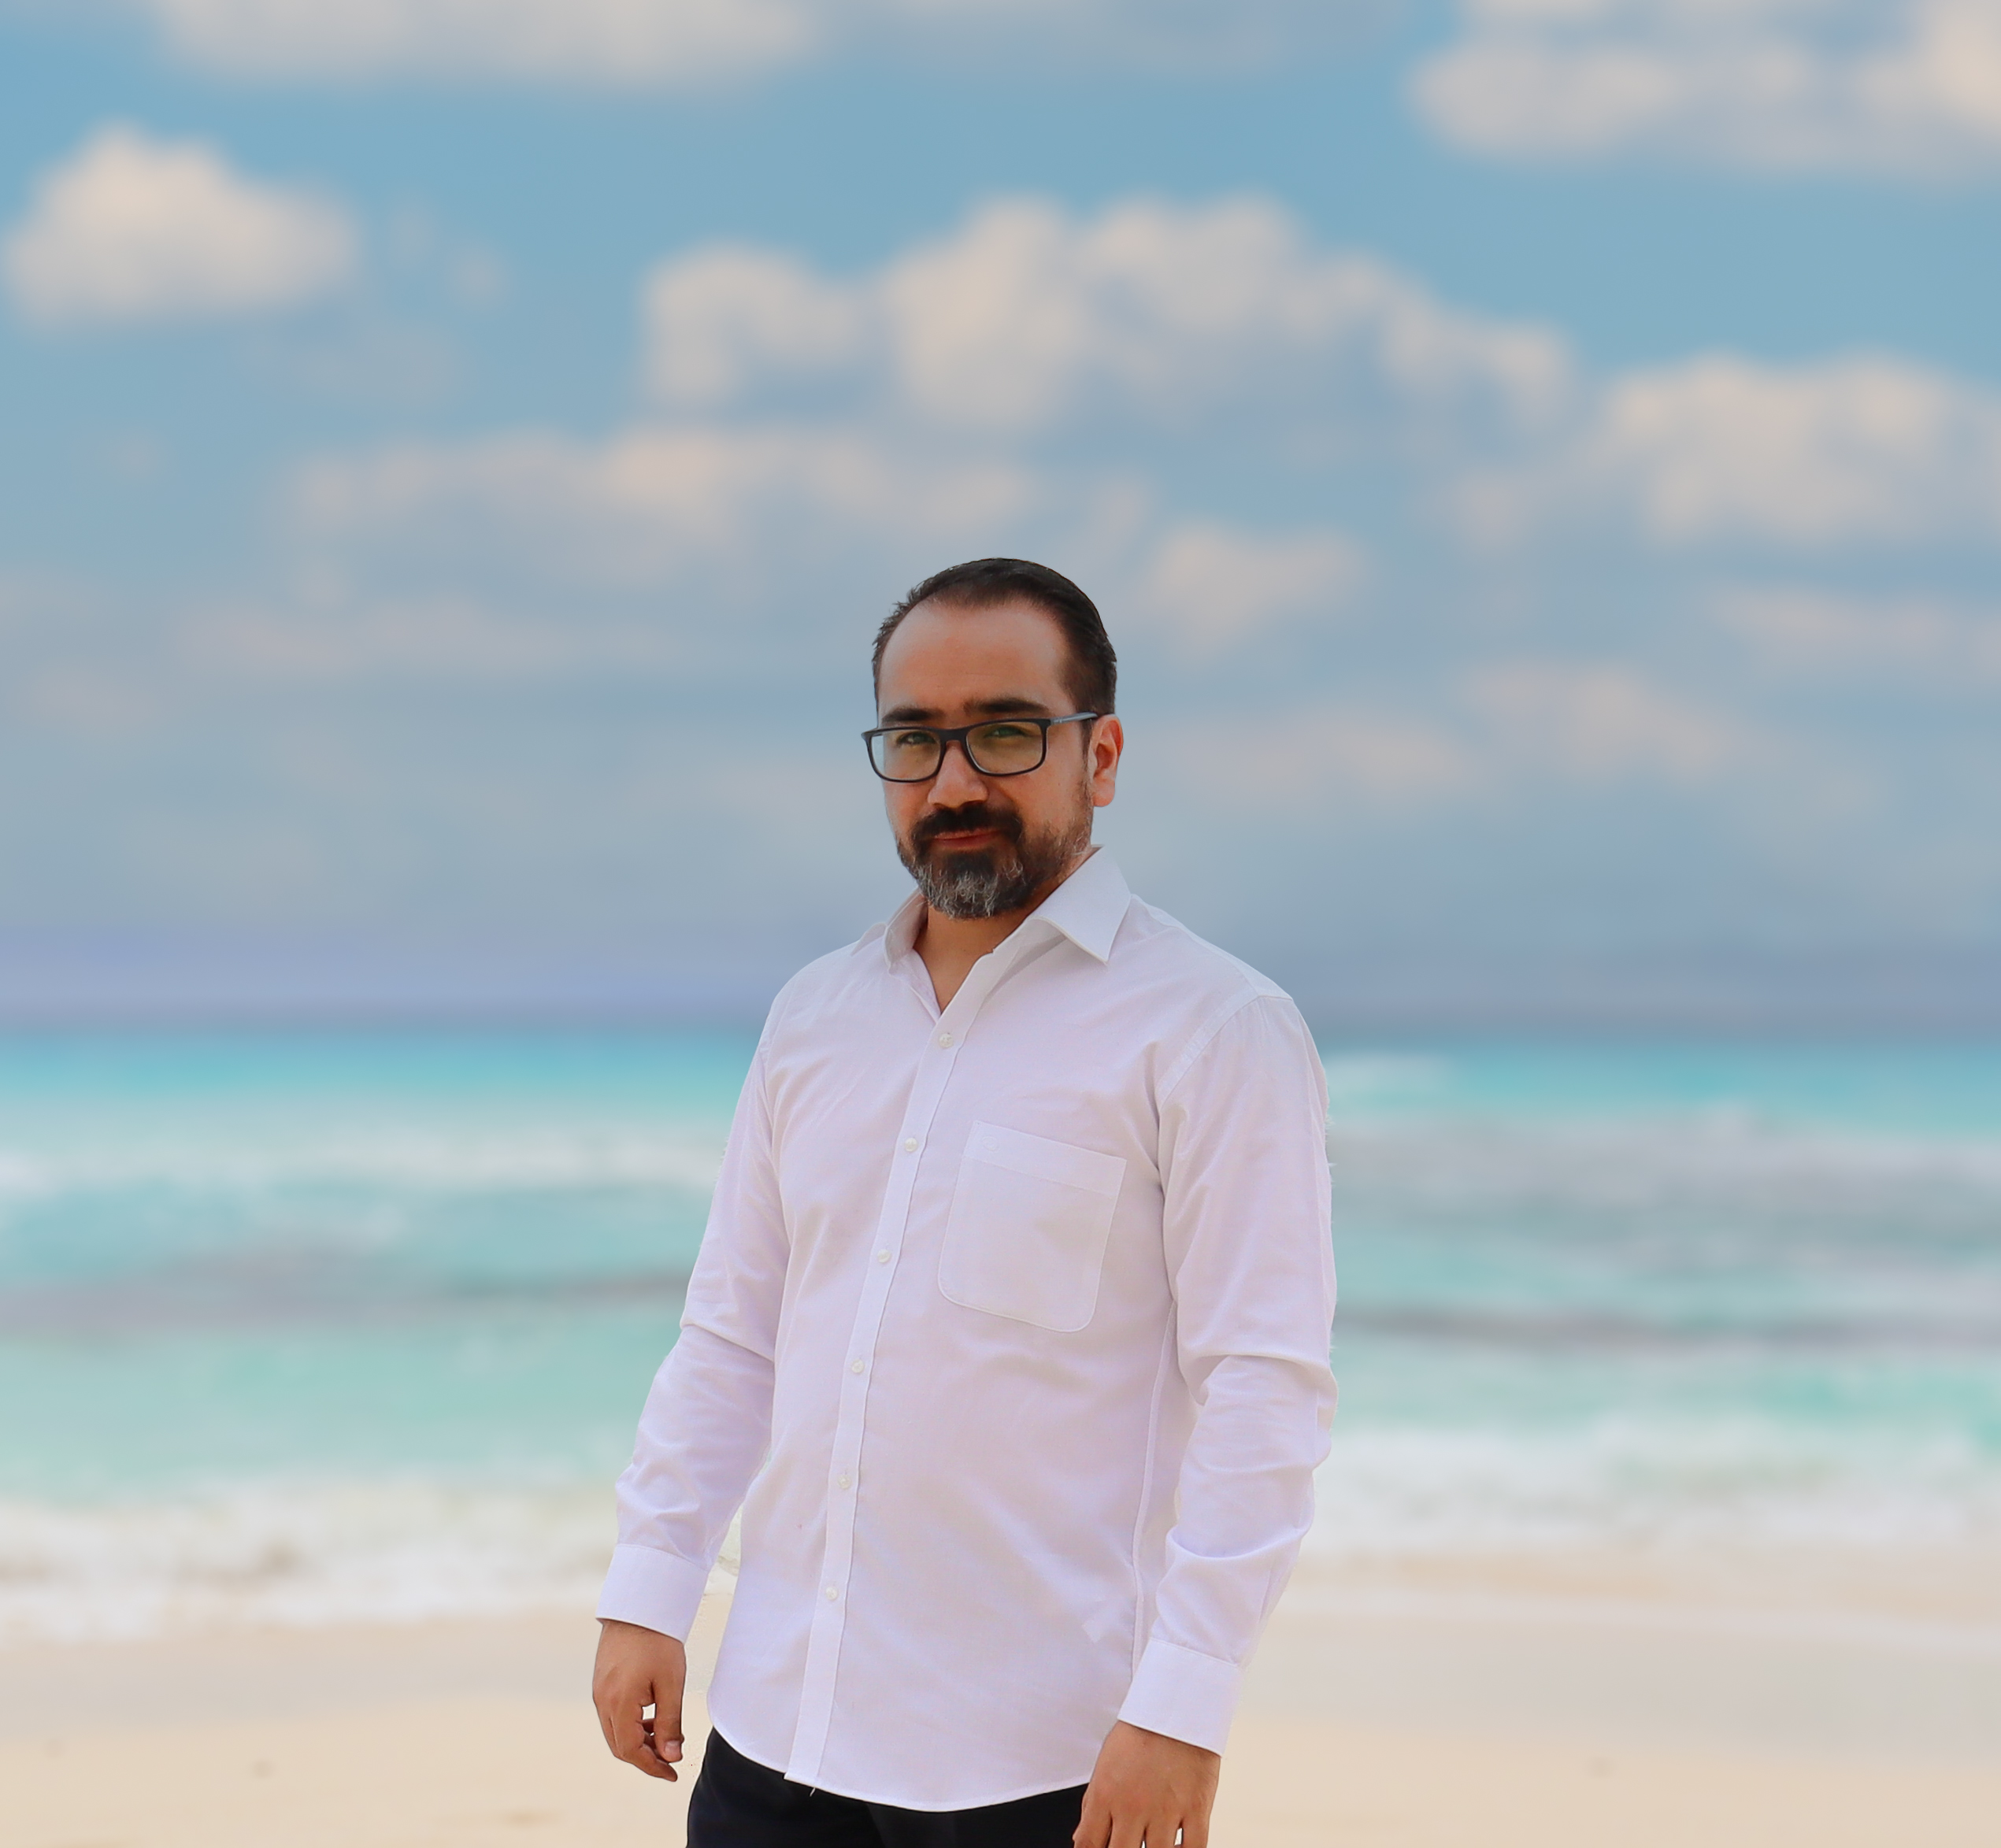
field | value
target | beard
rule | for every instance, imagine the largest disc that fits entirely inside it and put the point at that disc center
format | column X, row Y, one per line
column 988, row 882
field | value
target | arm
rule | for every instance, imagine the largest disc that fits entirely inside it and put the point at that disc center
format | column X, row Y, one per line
column 702, row 1436
column 1244, row 1163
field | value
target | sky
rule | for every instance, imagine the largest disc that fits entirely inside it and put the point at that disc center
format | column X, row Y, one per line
column 1539, row 461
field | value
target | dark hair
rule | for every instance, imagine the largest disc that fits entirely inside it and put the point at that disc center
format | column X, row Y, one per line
column 983, row 582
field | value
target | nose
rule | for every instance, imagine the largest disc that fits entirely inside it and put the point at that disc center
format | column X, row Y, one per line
column 957, row 782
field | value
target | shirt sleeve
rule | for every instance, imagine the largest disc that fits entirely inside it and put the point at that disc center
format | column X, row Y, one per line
column 1244, row 1165
column 707, row 1420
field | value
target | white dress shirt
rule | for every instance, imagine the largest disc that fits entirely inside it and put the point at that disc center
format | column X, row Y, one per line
column 1009, row 1334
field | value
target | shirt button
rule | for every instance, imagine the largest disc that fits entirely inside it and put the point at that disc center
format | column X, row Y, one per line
column 882, row 1258
column 909, row 1145
column 831, row 1595
column 944, row 1039
column 854, row 1367
column 845, row 1479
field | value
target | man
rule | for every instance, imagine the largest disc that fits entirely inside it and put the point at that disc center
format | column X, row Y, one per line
column 1011, row 1326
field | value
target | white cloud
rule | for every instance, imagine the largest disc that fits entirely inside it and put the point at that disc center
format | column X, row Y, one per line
column 1510, row 725
column 614, row 42
column 1389, row 757
column 447, row 638
column 1717, row 449
column 1317, row 757
column 1900, row 86
column 648, row 503
column 764, row 505
column 1829, row 631
column 1602, row 722
column 723, row 320
column 1211, row 586
column 134, row 229
column 1183, row 324
column 666, row 43
column 1026, row 316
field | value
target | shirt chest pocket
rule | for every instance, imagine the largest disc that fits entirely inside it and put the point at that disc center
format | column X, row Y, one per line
column 1027, row 1233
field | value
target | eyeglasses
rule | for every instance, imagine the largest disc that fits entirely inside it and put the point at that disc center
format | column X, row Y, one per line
column 995, row 747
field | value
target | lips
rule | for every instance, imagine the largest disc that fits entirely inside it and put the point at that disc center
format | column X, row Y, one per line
column 968, row 830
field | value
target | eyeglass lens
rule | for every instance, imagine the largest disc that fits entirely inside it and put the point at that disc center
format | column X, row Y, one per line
column 1005, row 748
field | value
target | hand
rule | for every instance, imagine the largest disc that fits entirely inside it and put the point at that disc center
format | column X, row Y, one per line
column 638, row 1669
column 1145, row 1787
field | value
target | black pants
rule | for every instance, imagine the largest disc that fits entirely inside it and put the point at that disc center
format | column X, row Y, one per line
column 738, row 1804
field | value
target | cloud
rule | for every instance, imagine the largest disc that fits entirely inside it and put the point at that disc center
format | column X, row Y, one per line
column 748, row 511
column 1026, row 317
column 449, row 639
column 1340, row 751
column 895, row 415
column 1855, row 450
column 679, row 43
column 1178, row 328
column 648, row 504
column 1178, row 322
column 730, row 317
column 1822, row 631
column 1211, row 587
column 502, row 676
column 1600, row 722
column 638, row 42
column 1313, row 757
column 132, row 229
column 1905, row 86
column 1545, row 724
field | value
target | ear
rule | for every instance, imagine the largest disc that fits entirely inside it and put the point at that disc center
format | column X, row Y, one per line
column 1107, row 747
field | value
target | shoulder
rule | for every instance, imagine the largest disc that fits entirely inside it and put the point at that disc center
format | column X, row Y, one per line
column 1203, row 990
column 1151, row 943
column 828, row 982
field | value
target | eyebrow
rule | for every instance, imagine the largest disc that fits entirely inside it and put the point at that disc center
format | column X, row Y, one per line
column 1003, row 707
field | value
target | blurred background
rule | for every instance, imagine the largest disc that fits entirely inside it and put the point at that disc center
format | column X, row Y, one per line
column 1540, row 464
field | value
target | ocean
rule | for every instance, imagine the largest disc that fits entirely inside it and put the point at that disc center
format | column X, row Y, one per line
column 308, row 1328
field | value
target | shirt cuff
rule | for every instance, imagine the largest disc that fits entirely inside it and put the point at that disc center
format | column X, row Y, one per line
column 655, row 1589
column 1183, row 1694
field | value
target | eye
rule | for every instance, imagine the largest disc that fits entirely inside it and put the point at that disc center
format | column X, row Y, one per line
column 1005, row 731
column 911, row 740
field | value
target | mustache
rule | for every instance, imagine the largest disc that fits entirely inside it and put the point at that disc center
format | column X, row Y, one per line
column 958, row 820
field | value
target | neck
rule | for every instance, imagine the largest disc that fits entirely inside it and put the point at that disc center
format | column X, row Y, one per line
column 950, row 946
column 969, row 938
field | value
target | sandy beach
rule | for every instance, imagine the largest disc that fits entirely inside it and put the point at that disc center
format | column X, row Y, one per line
column 1385, row 1709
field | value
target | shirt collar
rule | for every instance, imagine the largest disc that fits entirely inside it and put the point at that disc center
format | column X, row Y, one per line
column 1088, row 907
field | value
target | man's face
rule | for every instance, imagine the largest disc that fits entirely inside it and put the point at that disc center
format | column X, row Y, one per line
column 980, row 845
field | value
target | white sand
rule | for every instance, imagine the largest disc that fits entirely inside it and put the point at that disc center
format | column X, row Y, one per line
column 1374, row 1719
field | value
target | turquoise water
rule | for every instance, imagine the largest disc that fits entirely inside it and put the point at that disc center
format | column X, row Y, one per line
column 306, row 1327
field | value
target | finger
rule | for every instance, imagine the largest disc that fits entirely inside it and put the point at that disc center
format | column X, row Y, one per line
column 619, row 1706
column 1094, row 1827
column 627, row 1733
column 665, row 1746
column 657, row 1755
column 1130, row 1832
column 630, row 1743
column 669, row 1736
column 608, row 1710
column 641, row 1756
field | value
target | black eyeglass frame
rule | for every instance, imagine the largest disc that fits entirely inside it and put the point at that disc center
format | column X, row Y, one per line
column 962, row 735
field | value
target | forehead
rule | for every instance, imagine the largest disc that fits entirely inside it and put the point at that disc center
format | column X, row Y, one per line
column 945, row 655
